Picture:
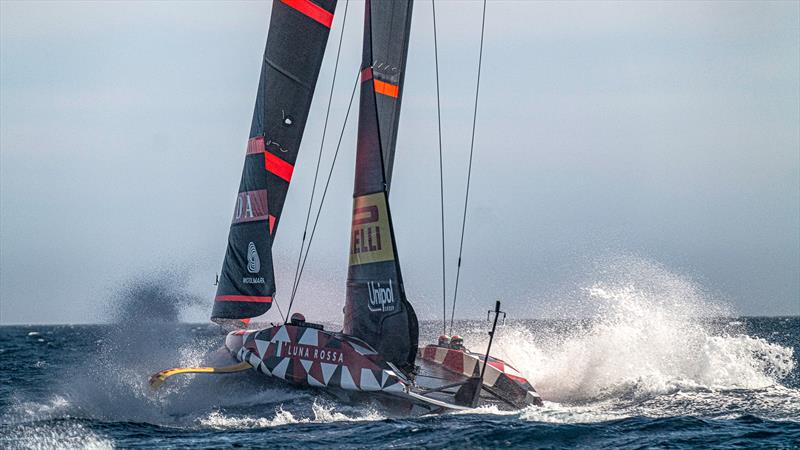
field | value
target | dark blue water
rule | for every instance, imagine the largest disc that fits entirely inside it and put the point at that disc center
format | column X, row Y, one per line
column 652, row 366
column 619, row 382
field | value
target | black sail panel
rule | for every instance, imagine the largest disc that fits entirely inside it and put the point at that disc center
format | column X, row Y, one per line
column 295, row 48
column 391, row 26
column 296, row 42
column 376, row 308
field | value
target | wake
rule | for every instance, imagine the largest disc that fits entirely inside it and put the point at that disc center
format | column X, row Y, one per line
column 653, row 344
column 652, row 334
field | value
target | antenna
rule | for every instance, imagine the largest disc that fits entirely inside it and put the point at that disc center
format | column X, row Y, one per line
column 497, row 313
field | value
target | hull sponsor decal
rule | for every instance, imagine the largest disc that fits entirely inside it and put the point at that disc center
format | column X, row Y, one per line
column 311, row 353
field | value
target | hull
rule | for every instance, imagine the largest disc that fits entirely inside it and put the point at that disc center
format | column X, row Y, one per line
column 345, row 366
column 502, row 382
column 308, row 356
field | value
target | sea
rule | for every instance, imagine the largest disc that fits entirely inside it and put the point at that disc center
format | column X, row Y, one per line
column 641, row 371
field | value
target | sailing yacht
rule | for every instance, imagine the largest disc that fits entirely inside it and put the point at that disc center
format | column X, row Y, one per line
column 377, row 352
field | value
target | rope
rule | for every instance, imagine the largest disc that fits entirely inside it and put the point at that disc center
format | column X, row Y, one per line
column 319, row 156
column 441, row 170
column 275, row 300
column 469, row 170
column 324, row 193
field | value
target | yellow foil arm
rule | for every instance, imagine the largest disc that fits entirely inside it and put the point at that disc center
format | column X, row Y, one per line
column 158, row 379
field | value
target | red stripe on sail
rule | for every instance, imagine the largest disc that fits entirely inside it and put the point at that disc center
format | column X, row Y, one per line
column 311, row 10
column 389, row 89
column 272, row 220
column 278, row 166
column 255, row 145
column 366, row 74
column 242, row 298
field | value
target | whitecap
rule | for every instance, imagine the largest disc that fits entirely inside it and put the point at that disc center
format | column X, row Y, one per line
column 653, row 334
column 321, row 413
column 63, row 435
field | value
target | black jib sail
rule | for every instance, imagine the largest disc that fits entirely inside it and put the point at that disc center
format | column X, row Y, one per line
column 376, row 309
column 296, row 42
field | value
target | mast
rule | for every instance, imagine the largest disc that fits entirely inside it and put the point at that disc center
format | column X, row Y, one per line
column 298, row 33
column 376, row 308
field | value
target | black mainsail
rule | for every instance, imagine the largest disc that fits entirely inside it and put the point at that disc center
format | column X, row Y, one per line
column 390, row 30
column 376, row 308
column 296, row 42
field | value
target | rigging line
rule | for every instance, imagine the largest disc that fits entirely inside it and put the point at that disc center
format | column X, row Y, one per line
column 469, row 169
column 441, row 170
column 275, row 300
column 324, row 193
column 321, row 146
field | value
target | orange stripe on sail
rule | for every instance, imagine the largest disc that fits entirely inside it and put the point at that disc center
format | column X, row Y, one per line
column 278, row 166
column 311, row 10
column 382, row 87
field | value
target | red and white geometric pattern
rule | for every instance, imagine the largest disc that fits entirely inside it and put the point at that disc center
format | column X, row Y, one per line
column 499, row 374
column 312, row 357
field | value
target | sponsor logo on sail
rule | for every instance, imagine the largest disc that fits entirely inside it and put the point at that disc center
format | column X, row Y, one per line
column 253, row 261
column 371, row 240
column 251, row 206
column 253, row 280
column 381, row 296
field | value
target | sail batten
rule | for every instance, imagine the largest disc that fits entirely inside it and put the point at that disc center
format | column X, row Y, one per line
column 296, row 41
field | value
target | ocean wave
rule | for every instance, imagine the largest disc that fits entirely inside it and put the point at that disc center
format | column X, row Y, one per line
column 53, row 435
column 320, row 414
column 652, row 353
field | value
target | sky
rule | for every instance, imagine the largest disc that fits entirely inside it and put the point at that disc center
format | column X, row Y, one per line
column 666, row 133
